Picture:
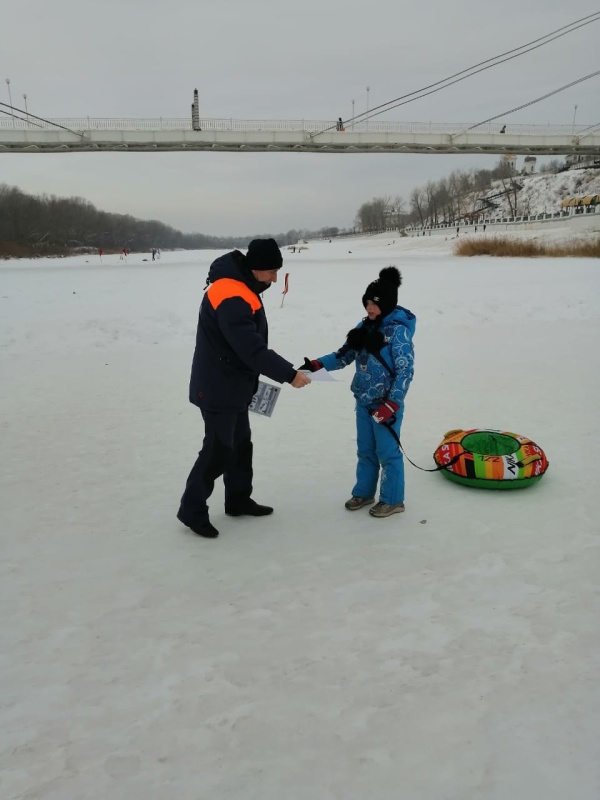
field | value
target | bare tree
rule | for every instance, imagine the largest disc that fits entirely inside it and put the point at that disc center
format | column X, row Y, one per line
column 554, row 166
column 431, row 200
column 416, row 204
column 455, row 190
column 398, row 211
column 444, row 199
column 507, row 187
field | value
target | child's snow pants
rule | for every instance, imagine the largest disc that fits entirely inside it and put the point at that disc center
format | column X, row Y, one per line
column 377, row 447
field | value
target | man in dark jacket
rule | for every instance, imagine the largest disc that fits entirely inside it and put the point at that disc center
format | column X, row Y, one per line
column 231, row 352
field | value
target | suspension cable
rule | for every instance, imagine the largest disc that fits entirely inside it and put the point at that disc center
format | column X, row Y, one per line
column 538, row 99
column 473, row 70
column 21, row 119
column 589, row 129
column 41, row 119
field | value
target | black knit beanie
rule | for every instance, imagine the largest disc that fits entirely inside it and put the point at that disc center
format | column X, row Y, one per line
column 264, row 254
column 384, row 291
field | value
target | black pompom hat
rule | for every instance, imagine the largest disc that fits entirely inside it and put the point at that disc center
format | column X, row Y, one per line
column 384, row 291
column 264, row 254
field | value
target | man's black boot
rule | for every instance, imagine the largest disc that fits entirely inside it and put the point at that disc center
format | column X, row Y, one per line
column 202, row 528
column 246, row 507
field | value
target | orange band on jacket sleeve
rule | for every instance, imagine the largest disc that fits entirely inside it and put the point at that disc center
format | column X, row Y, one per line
column 225, row 288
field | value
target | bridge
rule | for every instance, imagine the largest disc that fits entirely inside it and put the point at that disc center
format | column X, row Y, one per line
column 98, row 135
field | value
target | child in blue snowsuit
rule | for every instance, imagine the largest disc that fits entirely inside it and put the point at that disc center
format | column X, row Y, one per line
column 381, row 347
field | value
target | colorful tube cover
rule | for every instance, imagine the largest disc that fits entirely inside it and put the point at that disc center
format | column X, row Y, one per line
column 490, row 459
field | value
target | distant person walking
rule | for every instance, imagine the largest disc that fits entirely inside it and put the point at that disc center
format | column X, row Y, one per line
column 153, row 253
column 339, row 124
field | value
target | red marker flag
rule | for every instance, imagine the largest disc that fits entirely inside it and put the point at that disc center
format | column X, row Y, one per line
column 285, row 288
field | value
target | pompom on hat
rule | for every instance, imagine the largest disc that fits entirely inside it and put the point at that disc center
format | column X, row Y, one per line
column 264, row 254
column 384, row 291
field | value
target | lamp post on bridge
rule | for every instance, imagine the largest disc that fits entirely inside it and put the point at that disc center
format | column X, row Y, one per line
column 368, row 90
column 353, row 115
column 26, row 111
column 574, row 115
column 10, row 101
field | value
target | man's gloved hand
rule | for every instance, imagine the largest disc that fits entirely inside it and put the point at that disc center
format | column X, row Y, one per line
column 310, row 366
column 385, row 411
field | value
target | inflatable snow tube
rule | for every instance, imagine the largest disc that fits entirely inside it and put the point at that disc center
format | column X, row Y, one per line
column 490, row 459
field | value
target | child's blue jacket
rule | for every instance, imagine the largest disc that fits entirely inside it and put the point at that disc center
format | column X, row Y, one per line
column 374, row 383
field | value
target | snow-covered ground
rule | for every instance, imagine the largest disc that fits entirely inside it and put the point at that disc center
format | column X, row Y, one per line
column 448, row 653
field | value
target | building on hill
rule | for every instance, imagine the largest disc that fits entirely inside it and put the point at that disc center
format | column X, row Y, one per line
column 529, row 163
column 580, row 205
column 509, row 161
column 582, row 161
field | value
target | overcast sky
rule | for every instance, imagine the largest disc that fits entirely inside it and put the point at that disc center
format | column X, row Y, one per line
column 273, row 59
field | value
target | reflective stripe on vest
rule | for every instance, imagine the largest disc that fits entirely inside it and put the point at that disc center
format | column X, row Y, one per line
column 225, row 288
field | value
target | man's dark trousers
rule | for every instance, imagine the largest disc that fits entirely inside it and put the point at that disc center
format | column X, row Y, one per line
column 226, row 451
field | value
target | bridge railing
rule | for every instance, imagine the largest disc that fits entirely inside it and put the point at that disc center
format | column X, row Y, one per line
column 79, row 124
